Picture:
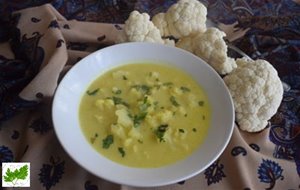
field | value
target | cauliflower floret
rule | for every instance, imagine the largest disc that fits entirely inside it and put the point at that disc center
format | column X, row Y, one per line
column 139, row 28
column 118, row 131
column 134, row 133
column 159, row 20
column 123, row 117
column 104, row 103
column 182, row 19
column 256, row 91
column 135, row 93
column 164, row 116
column 128, row 142
column 211, row 47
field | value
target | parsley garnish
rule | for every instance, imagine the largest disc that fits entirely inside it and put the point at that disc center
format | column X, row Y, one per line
column 143, row 88
column 181, row 130
column 194, row 130
column 121, row 150
column 107, row 141
column 203, row 117
column 137, row 119
column 184, row 89
column 173, row 101
column 167, row 84
column 118, row 91
column 143, row 107
column 160, row 132
column 124, row 77
column 118, row 100
column 92, row 93
column 201, row 103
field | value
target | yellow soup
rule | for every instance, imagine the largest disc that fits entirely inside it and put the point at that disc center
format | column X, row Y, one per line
column 145, row 115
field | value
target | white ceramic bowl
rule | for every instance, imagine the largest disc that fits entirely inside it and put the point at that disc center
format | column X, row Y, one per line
column 74, row 84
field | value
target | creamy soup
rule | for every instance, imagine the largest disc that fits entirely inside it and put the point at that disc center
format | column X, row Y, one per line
column 145, row 115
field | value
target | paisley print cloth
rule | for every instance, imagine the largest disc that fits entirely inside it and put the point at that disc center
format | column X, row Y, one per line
column 38, row 45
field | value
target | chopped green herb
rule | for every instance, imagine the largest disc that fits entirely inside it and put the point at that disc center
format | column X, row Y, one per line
column 124, row 77
column 160, row 132
column 203, row 117
column 92, row 93
column 118, row 91
column 140, row 141
column 137, row 119
column 143, row 88
column 201, row 103
column 107, row 141
column 157, row 80
column 121, row 150
column 118, row 100
column 156, row 86
column 145, row 99
column 185, row 115
column 181, row 130
column 184, row 89
column 162, row 107
column 173, row 101
column 194, row 130
column 167, row 84
column 144, row 107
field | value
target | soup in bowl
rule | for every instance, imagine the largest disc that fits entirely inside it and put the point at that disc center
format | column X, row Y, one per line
column 143, row 114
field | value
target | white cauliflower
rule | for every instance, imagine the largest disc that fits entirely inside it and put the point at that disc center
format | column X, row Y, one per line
column 182, row 19
column 211, row 47
column 256, row 91
column 139, row 28
column 159, row 20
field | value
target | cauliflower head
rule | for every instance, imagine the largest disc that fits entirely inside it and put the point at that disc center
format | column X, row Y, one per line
column 211, row 47
column 182, row 19
column 159, row 20
column 139, row 28
column 256, row 91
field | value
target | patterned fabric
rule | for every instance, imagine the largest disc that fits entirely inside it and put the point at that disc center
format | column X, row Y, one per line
column 40, row 44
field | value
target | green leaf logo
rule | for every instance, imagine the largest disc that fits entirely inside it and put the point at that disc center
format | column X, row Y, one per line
column 15, row 175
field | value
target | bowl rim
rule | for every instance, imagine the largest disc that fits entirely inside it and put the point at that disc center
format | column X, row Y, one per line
column 122, row 181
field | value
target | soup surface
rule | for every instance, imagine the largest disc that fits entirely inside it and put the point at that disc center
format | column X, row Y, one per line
column 145, row 115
